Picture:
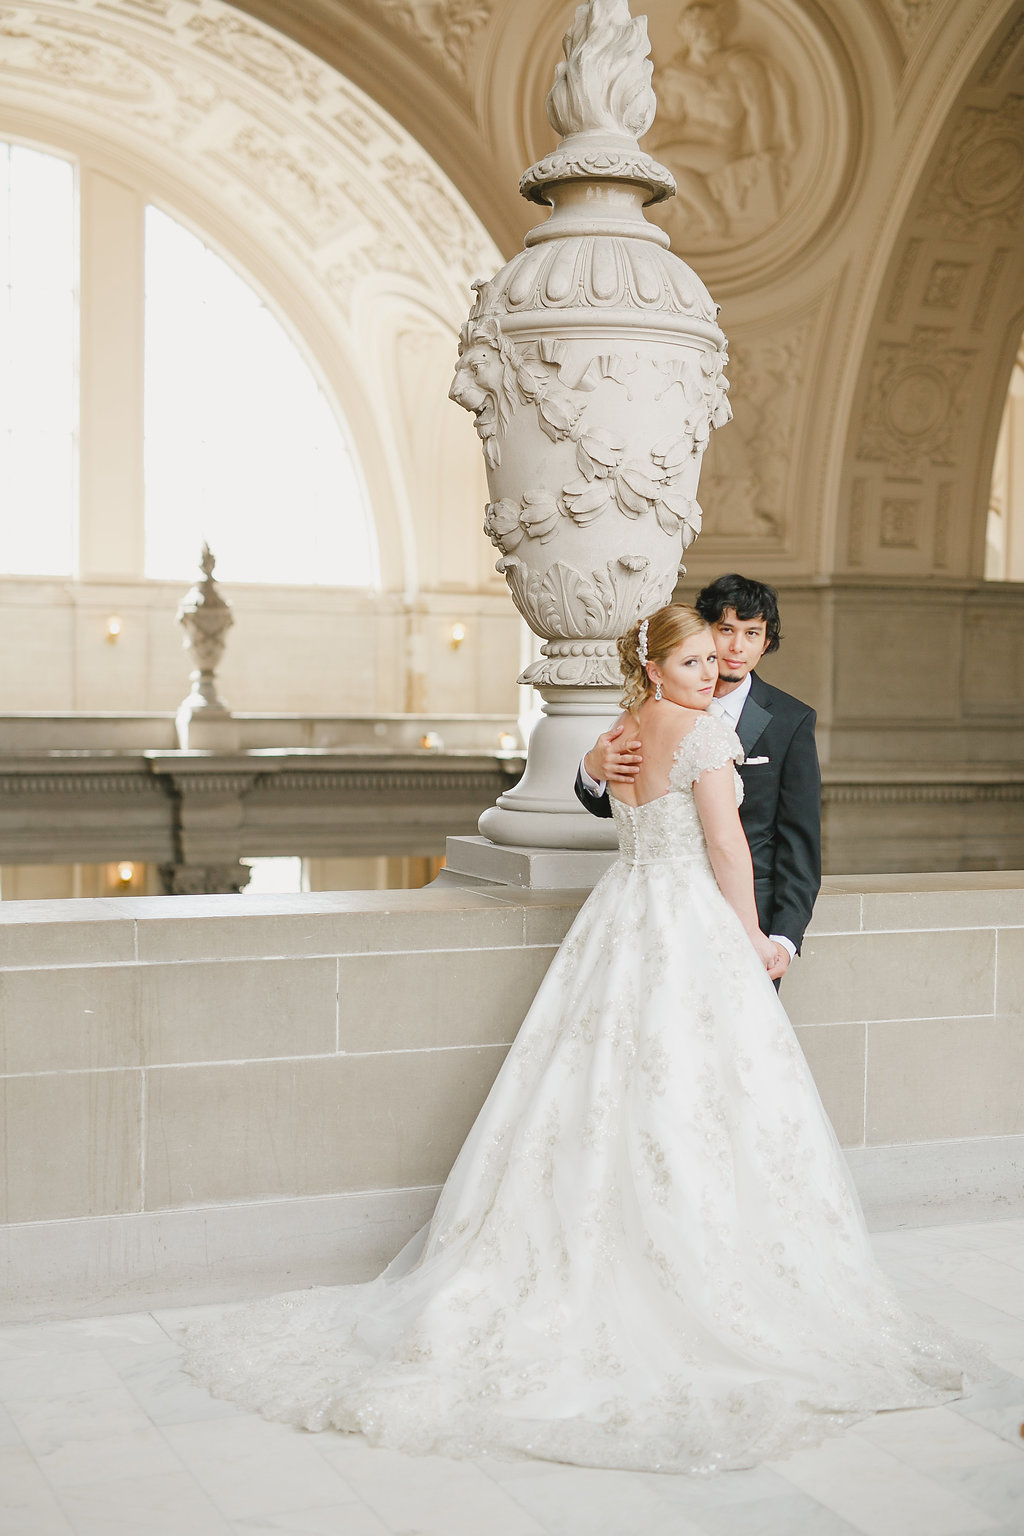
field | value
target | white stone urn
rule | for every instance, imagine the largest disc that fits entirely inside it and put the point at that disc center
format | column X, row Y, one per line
column 203, row 720
column 593, row 365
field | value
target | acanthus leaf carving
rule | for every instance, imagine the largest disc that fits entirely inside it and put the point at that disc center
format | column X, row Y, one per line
column 580, row 615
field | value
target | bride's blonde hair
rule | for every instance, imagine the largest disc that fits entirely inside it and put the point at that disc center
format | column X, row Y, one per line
column 666, row 629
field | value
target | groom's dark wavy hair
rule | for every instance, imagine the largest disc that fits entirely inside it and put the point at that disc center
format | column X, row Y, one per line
column 749, row 600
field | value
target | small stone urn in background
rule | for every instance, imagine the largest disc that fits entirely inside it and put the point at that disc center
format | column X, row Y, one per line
column 204, row 721
column 593, row 365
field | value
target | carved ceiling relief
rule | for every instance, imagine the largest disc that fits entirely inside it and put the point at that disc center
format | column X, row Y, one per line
column 275, row 136
column 745, row 489
column 908, row 17
column 727, row 128
column 980, row 182
column 447, row 28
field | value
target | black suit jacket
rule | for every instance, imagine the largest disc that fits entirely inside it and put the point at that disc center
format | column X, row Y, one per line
column 781, row 810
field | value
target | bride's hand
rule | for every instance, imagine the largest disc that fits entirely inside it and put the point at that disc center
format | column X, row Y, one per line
column 766, row 950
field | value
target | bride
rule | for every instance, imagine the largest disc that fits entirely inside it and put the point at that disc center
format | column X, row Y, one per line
column 648, row 1254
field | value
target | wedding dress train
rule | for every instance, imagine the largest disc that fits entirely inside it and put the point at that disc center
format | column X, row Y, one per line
column 648, row 1253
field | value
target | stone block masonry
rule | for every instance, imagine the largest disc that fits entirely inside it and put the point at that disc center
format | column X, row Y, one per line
column 209, row 1097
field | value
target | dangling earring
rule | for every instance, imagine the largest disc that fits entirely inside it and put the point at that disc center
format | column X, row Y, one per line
column 657, row 691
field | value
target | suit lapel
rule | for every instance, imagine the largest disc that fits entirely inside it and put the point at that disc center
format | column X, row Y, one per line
column 754, row 719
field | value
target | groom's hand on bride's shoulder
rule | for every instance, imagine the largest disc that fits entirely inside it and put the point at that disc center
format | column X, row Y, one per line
column 613, row 758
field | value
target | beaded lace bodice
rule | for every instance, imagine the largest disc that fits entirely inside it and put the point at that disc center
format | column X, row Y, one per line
column 669, row 827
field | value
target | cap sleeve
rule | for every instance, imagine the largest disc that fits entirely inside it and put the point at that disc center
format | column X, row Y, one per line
column 710, row 744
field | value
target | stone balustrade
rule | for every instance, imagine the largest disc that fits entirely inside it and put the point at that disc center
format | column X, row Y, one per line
column 216, row 1096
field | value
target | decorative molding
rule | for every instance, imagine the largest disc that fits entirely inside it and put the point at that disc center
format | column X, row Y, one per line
column 1007, row 48
column 943, row 517
column 898, row 523
column 72, row 782
column 980, row 181
column 389, row 781
column 989, row 284
column 904, row 272
column 746, row 489
column 915, row 401
column 919, row 794
column 945, row 284
column 855, row 523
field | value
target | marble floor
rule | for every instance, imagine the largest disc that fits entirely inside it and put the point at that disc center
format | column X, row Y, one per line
column 101, row 1435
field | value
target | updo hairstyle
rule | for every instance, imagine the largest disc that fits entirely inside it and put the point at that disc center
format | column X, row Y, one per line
column 666, row 629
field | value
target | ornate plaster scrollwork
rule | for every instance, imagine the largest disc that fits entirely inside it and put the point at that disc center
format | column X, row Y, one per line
column 980, row 183
column 748, row 488
column 447, row 27
column 915, row 401
column 728, row 130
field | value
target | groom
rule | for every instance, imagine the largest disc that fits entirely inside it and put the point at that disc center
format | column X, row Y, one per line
column 781, row 810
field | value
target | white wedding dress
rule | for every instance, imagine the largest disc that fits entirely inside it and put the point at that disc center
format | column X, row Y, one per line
column 648, row 1253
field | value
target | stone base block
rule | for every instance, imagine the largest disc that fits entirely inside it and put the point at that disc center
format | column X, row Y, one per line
column 928, row 1183
column 130, row 1263
column 544, row 869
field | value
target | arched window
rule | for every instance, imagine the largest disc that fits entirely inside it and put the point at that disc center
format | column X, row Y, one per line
column 38, row 376
column 242, row 447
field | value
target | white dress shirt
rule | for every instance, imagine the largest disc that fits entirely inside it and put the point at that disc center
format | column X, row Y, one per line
column 728, row 709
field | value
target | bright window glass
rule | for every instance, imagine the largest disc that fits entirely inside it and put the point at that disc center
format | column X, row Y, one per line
column 38, row 373
column 242, row 448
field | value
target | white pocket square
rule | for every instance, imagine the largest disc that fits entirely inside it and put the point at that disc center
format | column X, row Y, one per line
column 755, row 762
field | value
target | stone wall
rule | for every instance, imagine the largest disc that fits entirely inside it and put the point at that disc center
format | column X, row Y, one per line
column 208, row 1097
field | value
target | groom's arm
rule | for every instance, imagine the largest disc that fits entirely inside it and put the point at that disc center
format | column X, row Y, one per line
column 612, row 757
column 592, row 796
column 798, row 835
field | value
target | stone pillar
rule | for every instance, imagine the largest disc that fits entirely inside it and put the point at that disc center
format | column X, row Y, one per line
column 593, row 365
column 204, row 721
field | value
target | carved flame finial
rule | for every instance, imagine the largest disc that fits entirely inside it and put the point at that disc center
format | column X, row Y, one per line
column 604, row 82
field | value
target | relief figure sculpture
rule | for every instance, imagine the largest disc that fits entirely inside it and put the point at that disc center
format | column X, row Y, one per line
column 727, row 130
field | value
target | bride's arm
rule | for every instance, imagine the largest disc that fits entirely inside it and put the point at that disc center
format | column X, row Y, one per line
column 715, row 797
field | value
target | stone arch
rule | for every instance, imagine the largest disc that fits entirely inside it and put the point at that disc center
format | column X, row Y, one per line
column 945, row 329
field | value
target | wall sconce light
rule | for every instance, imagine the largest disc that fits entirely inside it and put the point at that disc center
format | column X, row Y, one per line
column 125, row 873
column 113, row 629
column 507, row 742
column 430, row 741
column 458, row 634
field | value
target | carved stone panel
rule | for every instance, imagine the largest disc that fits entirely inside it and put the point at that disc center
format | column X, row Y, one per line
column 980, row 181
column 915, row 401
column 746, row 479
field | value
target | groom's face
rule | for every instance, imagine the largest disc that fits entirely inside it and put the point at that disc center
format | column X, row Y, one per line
column 740, row 644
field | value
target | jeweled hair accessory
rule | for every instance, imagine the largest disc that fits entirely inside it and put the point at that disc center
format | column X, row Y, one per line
column 641, row 642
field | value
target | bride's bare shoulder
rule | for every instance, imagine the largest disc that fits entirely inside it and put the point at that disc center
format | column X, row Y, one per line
column 665, row 727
